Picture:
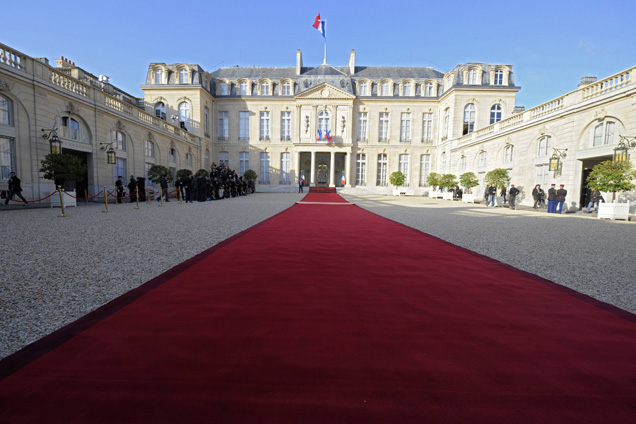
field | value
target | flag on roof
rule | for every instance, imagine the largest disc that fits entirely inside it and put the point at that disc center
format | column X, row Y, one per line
column 319, row 25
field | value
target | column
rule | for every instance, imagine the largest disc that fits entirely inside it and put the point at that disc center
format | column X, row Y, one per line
column 332, row 181
column 312, row 182
column 348, row 169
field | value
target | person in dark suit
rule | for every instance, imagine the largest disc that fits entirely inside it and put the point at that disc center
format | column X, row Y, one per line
column 560, row 194
column 15, row 189
column 552, row 197
column 512, row 196
column 119, row 185
column 163, row 183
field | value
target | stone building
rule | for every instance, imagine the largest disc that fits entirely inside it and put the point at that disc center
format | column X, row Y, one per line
column 346, row 126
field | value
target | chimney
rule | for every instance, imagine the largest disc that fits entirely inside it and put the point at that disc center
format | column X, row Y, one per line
column 352, row 62
column 586, row 81
column 299, row 62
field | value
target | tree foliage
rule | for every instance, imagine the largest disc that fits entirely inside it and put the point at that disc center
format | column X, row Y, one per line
column 397, row 178
column 62, row 168
column 499, row 177
column 202, row 172
column 184, row 173
column 433, row 179
column 157, row 171
column 468, row 180
column 612, row 177
column 448, row 181
column 250, row 175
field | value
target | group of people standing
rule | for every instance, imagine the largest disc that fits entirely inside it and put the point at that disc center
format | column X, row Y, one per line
column 222, row 183
column 491, row 194
column 556, row 198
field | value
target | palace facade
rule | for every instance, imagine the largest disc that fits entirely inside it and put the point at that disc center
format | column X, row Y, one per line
column 348, row 126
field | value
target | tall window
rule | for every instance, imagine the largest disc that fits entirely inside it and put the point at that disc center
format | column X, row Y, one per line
column 160, row 110
column 244, row 162
column 443, row 162
column 382, row 169
column 383, row 131
column 120, row 167
column 361, row 169
column 264, row 135
column 427, row 127
column 406, row 89
column 244, row 126
column 184, row 115
column 425, row 169
column 285, row 168
column 223, row 126
column 7, row 157
column 207, row 159
column 148, row 182
column 158, row 76
column 544, row 146
column 183, row 76
column 385, row 88
column 70, row 128
column 462, row 163
column 287, row 88
column 543, row 174
column 285, row 126
column 446, row 119
column 264, row 177
column 150, row 149
column 495, row 114
column 189, row 160
column 362, row 126
column 119, row 141
column 404, row 168
column 472, row 76
column 206, row 118
column 508, row 153
column 244, row 88
column 609, row 133
column 5, row 111
column 363, row 88
column 224, row 158
column 428, row 89
column 324, row 122
column 482, row 159
column 265, row 88
column 599, row 140
column 499, row 77
column 469, row 119
column 405, row 128
column 223, row 88
column 172, row 155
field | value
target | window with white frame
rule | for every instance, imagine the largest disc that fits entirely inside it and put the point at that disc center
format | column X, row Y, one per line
column 544, row 146
column 285, row 168
column 244, row 88
column 383, row 130
column 150, row 149
column 462, row 163
column 160, row 110
column 206, row 120
column 286, row 88
column 6, row 110
column 244, row 162
column 543, row 174
column 406, row 89
column 605, row 129
column 363, row 88
column 404, row 168
column 382, row 169
column 189, row 160
column 244, row 126
column 495, row 113
column 149, row 183
column 184, row 115
column 405, row 127
column 324, row 122
column 443, row 163
column 385, row 88
column 224, row 158
column 428, row 89
column 482, row 159
column 499, row 74
column 70, row 128
column 264, row 176
column 172, row 154
column 427, row 127
column 472, row 76
column 264, row 128
column 119, row 141
column 363, row 123
column 158, row 76
column 265, row 88
column 446, row 120
column 361, row 169
column 469, row 119
column 285, row 126
column 508, row 150
column 425, row 169
column 183, row 76
column 223, row 89
column 120, row 167
column 223, row 125
column 7, row 157
column 207, row 159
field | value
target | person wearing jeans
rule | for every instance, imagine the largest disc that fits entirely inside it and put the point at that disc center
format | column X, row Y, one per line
column 492, row 192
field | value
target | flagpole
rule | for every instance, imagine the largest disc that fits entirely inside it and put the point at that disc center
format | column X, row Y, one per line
column 325, row 31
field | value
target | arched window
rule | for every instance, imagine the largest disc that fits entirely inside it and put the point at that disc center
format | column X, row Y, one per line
column 150, row 149
column 119, row 141
column 158, row 76
column 499, row 74
column 172, row 155
column 469, row 119
column 6, row 111
column 70, row 128
column 604, row 133
column 446, row 119
column 324, row 122
column 443, row 163
column 495, row 113
column 160, row 110
column 462, row 163
column 482, row 159
column 472, row 76
column 183, row 76
column 544, row 146
column 189, row 160
column 184, row 115
column 508, row 153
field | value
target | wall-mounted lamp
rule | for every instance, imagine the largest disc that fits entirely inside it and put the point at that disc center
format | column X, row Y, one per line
column 110, row 152
column 621, row 152
column 555, row 160
column 56, row 143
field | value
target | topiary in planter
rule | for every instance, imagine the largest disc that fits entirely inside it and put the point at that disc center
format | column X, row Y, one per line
column 397, row 178
column 468, row 180
column 62, row 168
column 612, row 177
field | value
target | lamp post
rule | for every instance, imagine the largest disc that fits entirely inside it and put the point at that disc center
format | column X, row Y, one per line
column 56, row 143
column 621, row 151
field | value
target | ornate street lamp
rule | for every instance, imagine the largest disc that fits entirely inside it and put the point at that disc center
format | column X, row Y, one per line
column 56, row 143
column 621, row 151
column 110, row 153
column 555, row 160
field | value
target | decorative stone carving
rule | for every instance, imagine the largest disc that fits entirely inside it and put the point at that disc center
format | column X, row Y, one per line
column 600, row 114
column 150, row 136
column 71, row 108
column 118, row 124
column 4, row 86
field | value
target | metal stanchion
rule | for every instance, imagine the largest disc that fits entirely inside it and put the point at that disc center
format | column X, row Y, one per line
column 137, row 197
column 59, row 189
column 179, row 196
column 148, row 199
column 160, row 196
column 86, row 196
column 106, row 200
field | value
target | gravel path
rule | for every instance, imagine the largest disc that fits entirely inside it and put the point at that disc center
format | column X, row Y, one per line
column 56, row 270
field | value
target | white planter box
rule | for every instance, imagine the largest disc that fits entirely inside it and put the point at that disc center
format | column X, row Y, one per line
column 434, row 194
column 448, row 195
column 68, row 200
column 613, row 211
column 403, row 191
column 468, row 198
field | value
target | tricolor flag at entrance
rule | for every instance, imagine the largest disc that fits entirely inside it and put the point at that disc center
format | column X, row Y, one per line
column 320, row 25
column 302, row 177
column 342, row 180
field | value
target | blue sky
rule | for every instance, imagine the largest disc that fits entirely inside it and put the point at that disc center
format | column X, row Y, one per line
column 551, row 44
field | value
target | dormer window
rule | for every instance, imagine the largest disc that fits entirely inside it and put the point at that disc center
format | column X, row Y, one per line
column 223, row 88
column 286, row 88
column 265, row 88
column 363, row 88
column 472, row 76
column 406, row 89
column 499, row 74
column 244, row 88
column 158, row 76
column 428, row 89
column 183, row 76
column 385, row 89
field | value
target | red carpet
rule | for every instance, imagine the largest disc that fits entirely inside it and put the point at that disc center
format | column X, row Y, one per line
column 330, row 314
column 322, row 189
column 323, row 197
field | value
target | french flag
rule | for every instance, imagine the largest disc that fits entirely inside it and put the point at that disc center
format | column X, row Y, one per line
column 302, row 177
column 320, row 25
column 342, row 180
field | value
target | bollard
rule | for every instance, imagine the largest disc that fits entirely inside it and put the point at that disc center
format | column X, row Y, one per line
column 160, row 196
column 179, row 196
column 106, row 200
column 148, row 199
column 137, row 197
column 59, row 189
column 86, row 196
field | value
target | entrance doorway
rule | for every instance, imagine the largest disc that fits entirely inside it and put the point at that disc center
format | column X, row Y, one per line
column 588, row 165
column 79, row 186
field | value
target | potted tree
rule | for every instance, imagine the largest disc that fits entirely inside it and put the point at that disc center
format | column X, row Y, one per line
column 468, row 180
column 501, row 179
column 448, row 181
column 250, row 176
column 157, row 171
column 613, row 177
column 433, row 180
column 396, row 179
column 64, row 169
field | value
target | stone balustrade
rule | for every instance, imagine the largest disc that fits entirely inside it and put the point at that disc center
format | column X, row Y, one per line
column 607, row 85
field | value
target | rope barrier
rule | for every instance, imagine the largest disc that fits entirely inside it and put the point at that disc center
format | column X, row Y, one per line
column 30, row 201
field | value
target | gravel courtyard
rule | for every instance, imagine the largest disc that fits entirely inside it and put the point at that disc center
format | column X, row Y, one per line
column 55, row 270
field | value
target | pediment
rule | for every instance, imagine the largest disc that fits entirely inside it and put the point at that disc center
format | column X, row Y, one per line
column 325, row 92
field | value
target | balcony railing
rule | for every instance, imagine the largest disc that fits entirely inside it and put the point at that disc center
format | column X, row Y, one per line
column 223, row 138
